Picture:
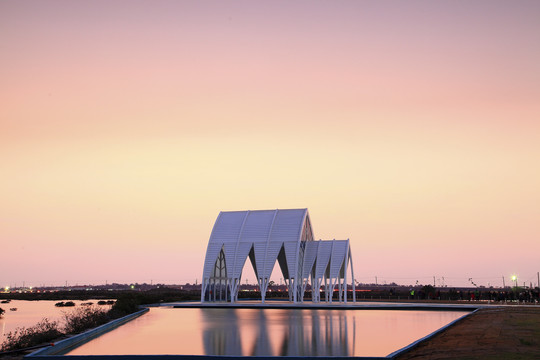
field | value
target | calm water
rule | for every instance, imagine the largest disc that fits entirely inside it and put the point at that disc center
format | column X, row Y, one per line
column 250, row 332
column 30, row 313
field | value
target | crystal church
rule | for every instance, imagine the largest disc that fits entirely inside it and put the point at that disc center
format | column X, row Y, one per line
column 267, row 236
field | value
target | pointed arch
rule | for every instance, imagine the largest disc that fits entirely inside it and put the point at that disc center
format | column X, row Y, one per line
column 217, row 285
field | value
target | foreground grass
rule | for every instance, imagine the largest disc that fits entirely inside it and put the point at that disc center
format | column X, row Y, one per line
column 75, row 321
column 46, row 331
column 42, row 332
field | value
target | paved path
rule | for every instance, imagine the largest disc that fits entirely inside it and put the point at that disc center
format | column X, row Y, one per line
column 361, row 305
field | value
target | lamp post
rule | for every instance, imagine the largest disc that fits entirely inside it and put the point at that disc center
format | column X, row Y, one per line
column 514, row 279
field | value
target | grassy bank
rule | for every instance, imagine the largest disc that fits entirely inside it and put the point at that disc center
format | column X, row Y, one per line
column 155, row 295
column 75, row 320
column 491, row 333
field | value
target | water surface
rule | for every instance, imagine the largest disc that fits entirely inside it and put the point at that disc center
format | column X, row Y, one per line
column 270, row 332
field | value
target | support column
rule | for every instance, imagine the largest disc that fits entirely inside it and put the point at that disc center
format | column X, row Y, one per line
column 353, row 281
column 203, row 290
column 325, row 289
column 331, row 292
column 316, row 290
column 263, row 286
column 295, row 288
column 345, row 275
column 290, row 287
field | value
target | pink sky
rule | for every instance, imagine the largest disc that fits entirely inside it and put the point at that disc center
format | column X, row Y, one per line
column 412, row 128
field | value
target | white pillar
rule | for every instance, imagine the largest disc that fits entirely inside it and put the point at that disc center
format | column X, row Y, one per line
column 353, row 281
column 345, row 274
column 202, row 290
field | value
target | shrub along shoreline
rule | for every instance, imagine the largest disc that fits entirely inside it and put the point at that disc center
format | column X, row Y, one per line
column 83, row 317
column 75, row 321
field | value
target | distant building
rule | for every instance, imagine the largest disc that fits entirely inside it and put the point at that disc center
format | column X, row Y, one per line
column 266, row 236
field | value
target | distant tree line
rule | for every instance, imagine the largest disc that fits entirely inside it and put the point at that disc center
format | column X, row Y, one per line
column 162, row 294
column 396, row 293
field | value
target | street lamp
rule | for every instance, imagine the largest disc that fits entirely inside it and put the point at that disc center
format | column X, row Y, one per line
column 514, row 279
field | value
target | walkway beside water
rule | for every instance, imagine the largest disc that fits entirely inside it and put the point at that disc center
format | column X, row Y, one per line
column 276, row 304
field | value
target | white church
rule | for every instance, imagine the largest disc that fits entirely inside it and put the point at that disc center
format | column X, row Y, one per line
column 267, row 236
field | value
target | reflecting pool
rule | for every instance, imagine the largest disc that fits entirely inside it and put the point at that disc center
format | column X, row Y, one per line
column 270, row 332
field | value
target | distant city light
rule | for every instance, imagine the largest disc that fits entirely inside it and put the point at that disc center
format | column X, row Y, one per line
column 6, row 288
column 133, row 286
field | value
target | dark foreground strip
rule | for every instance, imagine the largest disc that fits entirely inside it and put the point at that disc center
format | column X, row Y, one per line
column 195, row 357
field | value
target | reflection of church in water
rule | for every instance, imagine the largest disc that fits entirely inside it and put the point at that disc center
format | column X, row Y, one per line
column 299, row 333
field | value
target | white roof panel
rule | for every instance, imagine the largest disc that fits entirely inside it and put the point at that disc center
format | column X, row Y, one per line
column 323, row 258
column 257, row 226
column 242, row 253
column 310, row 255
column 228, row 226
column 339, row 251
column 288, row 225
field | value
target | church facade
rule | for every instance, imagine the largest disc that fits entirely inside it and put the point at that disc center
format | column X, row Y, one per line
column 265, row 237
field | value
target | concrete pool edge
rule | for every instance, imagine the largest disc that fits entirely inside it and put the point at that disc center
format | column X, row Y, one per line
column 61, row 346
column 414, row 344
column 352, row 306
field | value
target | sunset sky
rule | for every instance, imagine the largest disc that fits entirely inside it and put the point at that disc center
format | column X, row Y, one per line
column 410, row 127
